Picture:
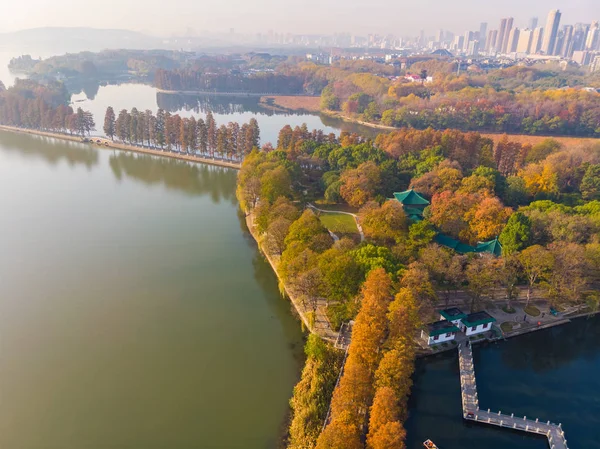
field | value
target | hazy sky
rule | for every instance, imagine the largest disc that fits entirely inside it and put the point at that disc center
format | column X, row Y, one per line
column 400, row 17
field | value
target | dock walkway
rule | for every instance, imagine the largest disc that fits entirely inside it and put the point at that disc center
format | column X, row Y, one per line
column 471, row 411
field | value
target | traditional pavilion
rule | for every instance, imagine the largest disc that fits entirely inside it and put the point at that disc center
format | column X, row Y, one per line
column 492, row 247
column 413, row 204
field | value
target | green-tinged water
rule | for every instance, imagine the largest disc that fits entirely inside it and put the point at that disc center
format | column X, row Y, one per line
column 135, row 309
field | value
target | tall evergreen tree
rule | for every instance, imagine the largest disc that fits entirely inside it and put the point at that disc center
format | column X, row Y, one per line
column 110, row 123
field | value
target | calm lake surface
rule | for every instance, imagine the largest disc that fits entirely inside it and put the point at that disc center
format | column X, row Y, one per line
column 551, row 375
column 135, row 309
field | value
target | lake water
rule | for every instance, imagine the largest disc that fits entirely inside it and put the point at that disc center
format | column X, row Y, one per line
column 135, row 309
column 550, row 375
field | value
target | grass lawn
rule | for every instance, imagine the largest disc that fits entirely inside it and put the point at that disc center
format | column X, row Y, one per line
column 339, row 223
column 321, row 204
column 532, row 310
column 507, row 326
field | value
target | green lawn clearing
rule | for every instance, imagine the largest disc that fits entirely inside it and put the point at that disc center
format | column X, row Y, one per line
column 507, row 326
column 532, row 310
column 339, row 223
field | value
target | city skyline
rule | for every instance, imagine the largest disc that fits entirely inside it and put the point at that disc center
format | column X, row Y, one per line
column 310, row 17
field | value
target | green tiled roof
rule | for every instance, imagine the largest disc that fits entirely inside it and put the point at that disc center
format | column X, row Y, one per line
column 411, row 198
column 453, row 314
column 493, row 247
column 441, row 327
column 477, row 318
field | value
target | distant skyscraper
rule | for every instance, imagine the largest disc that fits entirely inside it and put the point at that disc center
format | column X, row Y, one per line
column 580, row 32
column 533, row 23
column 566, row 49
column 458, row 43
column 473, row 49
column 551, row 32
column 505, row 27
column 439, row 37
column 536, row 40
column 525, row 38
column 490, row 44
column 513, row 40
column 593, row 36
column 468, row 39
column 482, row 35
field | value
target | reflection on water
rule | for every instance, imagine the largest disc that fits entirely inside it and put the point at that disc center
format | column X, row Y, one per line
column 190, row 178
column 134, row 312
column 49, row 149
column 218, row 104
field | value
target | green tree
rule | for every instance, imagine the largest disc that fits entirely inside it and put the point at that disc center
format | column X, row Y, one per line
column 590, row 184
column 516, row 235
column 110, row 123
column 275, row 183
column 536, row 262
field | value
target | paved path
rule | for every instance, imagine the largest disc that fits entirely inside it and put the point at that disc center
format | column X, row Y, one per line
column 360, row 231
column 471, row 411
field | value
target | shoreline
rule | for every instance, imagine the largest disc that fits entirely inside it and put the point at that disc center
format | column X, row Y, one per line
column 108, row 144
column 513, row 334
column 325, row 332
column 375, row 126
column 223, row 94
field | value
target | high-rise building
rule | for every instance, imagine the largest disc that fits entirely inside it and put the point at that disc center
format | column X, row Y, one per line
column 473, row 49
column 505, row 27
column 458, row 43
column 482, row 35
column 439, row 37
column 593, row 36
column 536, row 40
column 513, row 40
column 551, row 32
column 525, row 38
column 533, row 23
column 580, row 32
column 490, row 43
column 566, row 49
column 468, row 38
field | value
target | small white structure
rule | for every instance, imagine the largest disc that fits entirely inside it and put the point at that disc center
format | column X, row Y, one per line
column 439, row 332
column 453, row 314
column 476, row 323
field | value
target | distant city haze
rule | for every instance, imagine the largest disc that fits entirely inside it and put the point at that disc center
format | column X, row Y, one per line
column 179, row 17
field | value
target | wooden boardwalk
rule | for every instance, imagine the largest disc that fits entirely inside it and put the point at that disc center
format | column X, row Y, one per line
column 471, row 411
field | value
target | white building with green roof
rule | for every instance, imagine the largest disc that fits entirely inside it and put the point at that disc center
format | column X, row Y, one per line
column 439, row 332
column 477, row 323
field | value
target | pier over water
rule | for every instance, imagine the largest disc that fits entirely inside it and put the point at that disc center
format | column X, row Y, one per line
column 471, row 411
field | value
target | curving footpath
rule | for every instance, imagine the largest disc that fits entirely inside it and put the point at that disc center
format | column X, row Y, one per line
column 471, row 411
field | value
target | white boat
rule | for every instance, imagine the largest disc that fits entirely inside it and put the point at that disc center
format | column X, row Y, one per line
column 429, row 444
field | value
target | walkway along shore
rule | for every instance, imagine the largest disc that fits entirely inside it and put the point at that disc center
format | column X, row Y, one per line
column 322, row 327
column 109, row 144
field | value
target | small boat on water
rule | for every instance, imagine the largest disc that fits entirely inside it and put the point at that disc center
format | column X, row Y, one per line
column 429, row 444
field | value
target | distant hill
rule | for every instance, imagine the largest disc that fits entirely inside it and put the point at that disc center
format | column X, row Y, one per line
column 55, row 39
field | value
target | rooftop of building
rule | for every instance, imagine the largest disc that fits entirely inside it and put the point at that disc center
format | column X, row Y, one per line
column 453, row 313
column 441, row 327
column 477, row 318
